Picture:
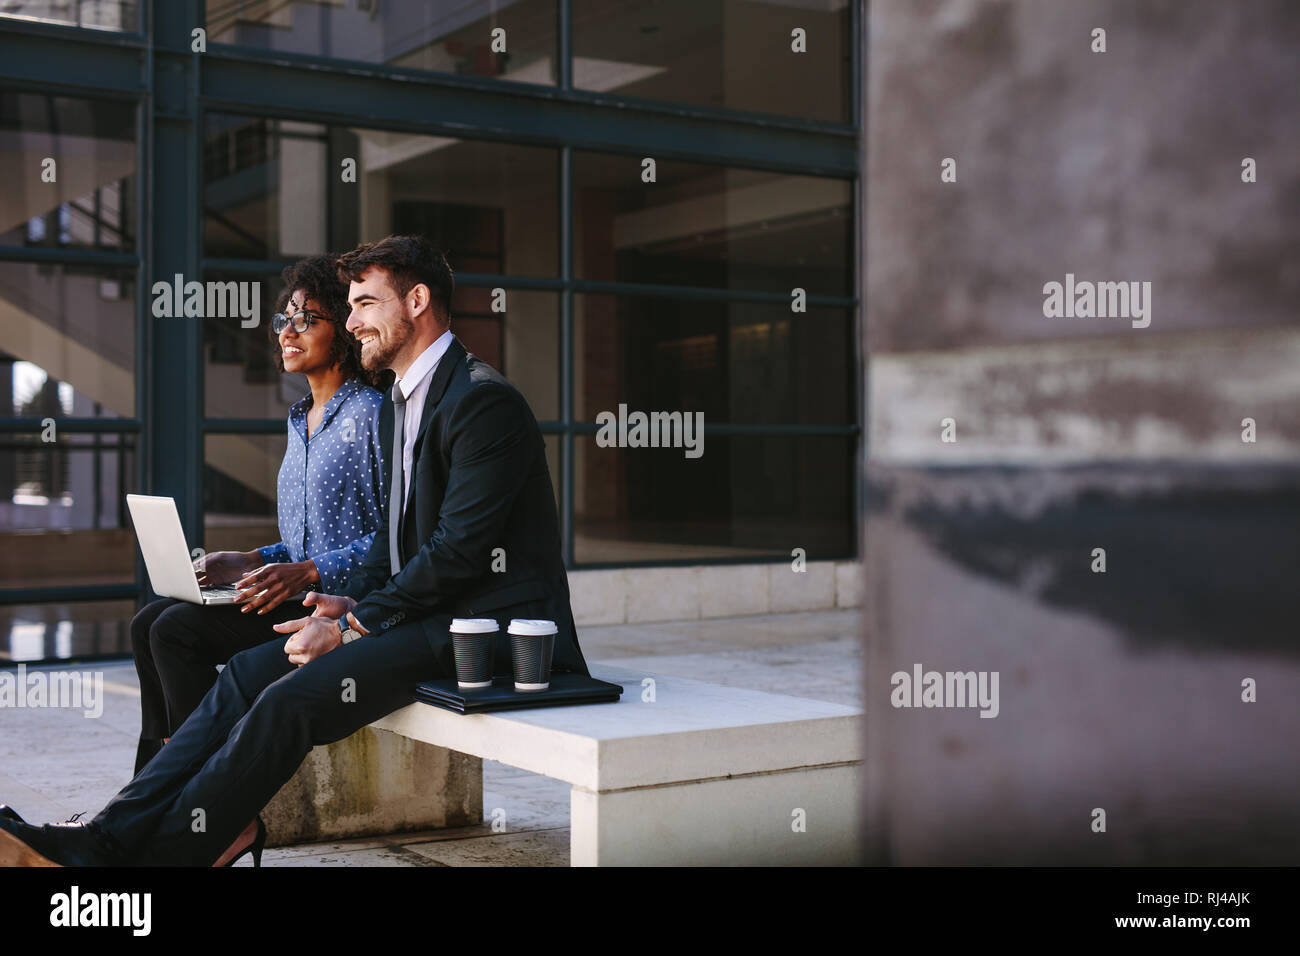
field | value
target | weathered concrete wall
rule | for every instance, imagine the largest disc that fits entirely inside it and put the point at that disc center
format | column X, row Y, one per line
column 1122, row 689
column 373, row 782
column 1117, row 165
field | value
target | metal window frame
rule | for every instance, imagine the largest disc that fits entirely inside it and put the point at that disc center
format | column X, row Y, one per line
column 174, row 88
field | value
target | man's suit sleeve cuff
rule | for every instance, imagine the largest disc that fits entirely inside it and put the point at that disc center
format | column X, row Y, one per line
column 373, row 620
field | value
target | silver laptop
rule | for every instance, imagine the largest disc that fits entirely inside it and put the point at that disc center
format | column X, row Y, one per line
column 167, row 556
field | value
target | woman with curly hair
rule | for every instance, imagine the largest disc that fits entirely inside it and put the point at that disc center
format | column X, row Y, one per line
column 329, row 503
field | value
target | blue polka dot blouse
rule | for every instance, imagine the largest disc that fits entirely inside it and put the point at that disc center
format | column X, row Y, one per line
column 330, row 489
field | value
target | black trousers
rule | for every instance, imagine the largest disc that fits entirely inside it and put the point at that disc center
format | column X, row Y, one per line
column 250, row 733
column 177, row 647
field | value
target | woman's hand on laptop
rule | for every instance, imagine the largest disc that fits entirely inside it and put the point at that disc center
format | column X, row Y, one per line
column 223, row 567
column 265, row 588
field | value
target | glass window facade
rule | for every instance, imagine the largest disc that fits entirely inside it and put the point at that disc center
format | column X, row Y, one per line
column 121, row 16
column 747, row 497
column 741, row 363
column 83, row 153
column 239, row 477
column 69, row 367
column 275, row 189
column 628, row 235
column 724, row 54
column 514, row 40
column 718, row 227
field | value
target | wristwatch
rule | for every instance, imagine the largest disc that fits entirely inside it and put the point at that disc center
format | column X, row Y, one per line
column 346, row 632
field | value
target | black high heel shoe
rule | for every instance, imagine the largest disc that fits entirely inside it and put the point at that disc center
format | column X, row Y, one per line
column 256, row 847
column 10, row 813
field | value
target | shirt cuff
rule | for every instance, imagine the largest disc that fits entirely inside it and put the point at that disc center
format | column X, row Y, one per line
column 274, row 553
column 333, row 567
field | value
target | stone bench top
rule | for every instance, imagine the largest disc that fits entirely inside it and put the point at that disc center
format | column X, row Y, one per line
column 692, row 731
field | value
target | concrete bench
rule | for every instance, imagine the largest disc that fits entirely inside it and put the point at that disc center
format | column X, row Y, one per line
column 704, row 774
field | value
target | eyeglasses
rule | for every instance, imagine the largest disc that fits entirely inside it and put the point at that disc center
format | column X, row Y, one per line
column 301, row 321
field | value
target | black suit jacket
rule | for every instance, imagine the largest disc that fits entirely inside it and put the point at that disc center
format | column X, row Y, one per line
column 479, row 482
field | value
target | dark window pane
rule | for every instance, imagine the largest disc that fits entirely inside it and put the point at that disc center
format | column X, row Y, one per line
column 240, row 375
column 68, row 168
column 446, row 36
column 120, row 16
column 239, row 477
column 727, row 54
column 63, row 519
column 274, row 189
column 736, row 362
column 31, row 632
column 711, row 226
column 523, row 342
column 745, row 497
column 67, row 341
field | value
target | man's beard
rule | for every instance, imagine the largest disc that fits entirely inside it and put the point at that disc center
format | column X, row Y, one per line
column 384, row 349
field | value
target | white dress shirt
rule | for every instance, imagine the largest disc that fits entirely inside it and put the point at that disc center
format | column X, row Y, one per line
column 415, row 387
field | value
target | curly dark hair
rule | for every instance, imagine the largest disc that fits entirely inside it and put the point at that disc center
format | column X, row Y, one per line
column 318, row 277
column 409, row 260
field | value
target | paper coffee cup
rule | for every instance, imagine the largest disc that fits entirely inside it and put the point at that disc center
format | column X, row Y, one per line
column 473, row 640
column 532, row 643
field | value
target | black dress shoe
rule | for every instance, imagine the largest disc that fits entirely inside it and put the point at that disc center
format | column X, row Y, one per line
column 56, row 844
column 10, row 812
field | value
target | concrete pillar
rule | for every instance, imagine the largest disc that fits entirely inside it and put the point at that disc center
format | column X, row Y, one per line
column 1126, row 687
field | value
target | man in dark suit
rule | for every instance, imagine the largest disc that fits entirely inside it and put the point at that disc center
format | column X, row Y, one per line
column 476, row 485
column 470, row 490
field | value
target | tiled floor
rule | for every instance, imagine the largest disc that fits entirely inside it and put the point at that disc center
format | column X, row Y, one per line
column 55, row 762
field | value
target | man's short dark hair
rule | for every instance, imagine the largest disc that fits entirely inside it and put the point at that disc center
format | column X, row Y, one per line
column 318, row 277
column 409, row 260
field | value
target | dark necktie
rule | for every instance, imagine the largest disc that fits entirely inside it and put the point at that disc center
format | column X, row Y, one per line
column 396, row 496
